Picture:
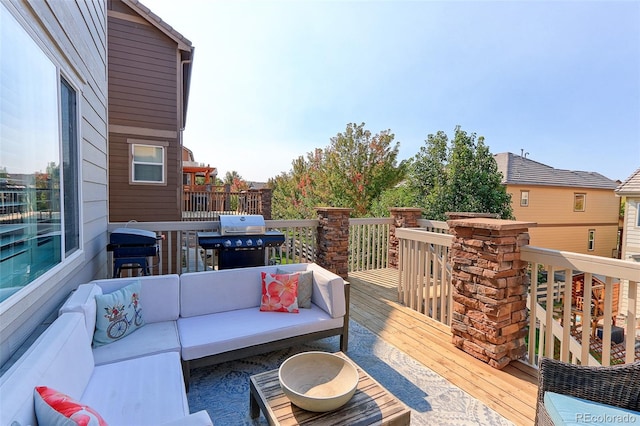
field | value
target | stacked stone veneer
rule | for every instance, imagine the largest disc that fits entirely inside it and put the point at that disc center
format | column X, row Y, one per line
column 265, row 202
column 333, row 239
column 403, row 217
column 489, row 288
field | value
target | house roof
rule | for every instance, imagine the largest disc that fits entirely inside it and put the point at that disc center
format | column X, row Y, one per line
column 157, row 21
column 518, row 170
column 631, row 186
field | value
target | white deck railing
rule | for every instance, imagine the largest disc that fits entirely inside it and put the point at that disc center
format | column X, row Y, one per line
column 425, row 286
column 424, row 273
column 424, row 278
column 369, row 243
column 559, row 341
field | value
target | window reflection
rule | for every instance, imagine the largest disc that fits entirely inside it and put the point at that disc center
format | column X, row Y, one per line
column 30, row 220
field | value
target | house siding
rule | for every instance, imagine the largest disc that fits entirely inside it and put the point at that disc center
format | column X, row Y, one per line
column 74, row 35
column 559, row 227
column 143, row 106
column 630, row 247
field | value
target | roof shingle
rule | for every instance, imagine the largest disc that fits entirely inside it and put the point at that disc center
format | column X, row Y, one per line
column 518, row 170
column 631, row 186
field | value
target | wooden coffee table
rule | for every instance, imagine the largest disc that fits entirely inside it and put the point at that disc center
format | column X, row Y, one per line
column 371, row 404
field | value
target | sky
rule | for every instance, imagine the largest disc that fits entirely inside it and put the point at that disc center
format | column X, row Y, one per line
column 272, row 81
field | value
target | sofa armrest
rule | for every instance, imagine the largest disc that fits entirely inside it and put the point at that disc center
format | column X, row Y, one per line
column 201, row 418
column 83, row 300
column 328, row 291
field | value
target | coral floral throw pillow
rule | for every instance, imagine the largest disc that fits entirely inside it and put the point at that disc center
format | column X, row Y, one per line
column 55, row 408
column 279, row 293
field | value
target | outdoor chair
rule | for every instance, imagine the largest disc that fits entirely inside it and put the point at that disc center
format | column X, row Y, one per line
column 597, row 302
column 614, row 386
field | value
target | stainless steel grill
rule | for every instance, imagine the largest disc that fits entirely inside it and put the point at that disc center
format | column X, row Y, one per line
column 241, row 241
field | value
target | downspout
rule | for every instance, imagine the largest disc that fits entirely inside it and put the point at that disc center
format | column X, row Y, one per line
column 185, row 83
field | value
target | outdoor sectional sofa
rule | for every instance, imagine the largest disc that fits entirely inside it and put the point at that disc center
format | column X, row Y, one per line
column 191, row 320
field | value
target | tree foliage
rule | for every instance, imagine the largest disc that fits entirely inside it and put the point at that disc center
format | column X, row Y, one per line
column 235, row 181
column 459, row 177
column 353, row 171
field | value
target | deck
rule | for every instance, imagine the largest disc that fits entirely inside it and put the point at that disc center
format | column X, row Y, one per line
column 510, row 392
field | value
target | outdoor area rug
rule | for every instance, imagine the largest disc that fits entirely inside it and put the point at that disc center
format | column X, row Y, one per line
column 223, row 389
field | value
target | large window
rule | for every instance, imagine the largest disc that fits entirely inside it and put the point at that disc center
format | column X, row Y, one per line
column 148, row 163
column 38, row 125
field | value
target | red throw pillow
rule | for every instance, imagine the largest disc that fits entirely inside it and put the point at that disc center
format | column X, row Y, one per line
column 53, row 408
column 279, row 293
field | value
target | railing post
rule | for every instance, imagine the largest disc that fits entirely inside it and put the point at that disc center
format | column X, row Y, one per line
column 403, row 217
column 265, row 203
column 333, row 239
column 489, row 285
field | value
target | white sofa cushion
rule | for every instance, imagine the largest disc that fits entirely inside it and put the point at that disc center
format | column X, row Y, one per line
column 60, row 358
column 159, row 296
column 142, row 391
column 212, row 334
column 154, row 338
column 568, row 410
column 209, row 292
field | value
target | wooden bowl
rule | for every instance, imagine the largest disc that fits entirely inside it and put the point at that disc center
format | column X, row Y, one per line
column 318, row 381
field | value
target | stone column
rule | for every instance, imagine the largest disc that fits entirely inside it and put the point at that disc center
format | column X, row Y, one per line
column 403, row 217
column 333, row 239
column 265, row 203
column 489, row 284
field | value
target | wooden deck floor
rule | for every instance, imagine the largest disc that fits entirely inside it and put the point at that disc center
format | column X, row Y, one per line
column 510, row 392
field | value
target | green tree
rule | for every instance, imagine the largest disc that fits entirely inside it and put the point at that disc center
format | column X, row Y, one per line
column 461, row 176
column 353, row 171
column 360, row 166
column 236, row 181
column 295, row 195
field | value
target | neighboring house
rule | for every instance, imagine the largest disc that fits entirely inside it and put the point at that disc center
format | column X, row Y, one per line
column 630, row 190
column 196, row 176
column 53, row 158
column 149, row 75
column 574, row 210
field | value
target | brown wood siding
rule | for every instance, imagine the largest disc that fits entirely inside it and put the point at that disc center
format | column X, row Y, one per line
column 143, row 94
column 144, row 203
column 142, row 76
column 560, row 227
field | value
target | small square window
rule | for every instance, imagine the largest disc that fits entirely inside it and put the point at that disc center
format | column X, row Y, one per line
column 524, row 198
column 579, row 201
column 148, row 164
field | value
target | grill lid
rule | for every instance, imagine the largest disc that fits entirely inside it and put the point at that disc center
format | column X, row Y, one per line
column 250, row 224
column 130, row 236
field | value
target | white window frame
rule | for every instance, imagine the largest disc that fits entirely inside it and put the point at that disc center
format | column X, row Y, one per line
column 591, row 240
column 64, row 257
column 133, row 143
column 524, row 198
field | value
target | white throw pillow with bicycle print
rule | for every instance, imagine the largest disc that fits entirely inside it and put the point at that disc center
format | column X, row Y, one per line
column 117, row 314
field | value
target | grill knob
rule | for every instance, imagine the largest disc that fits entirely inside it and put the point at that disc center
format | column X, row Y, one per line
column 259, row 241
column 249, row 242
column 238, row 243
column 227, row 243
